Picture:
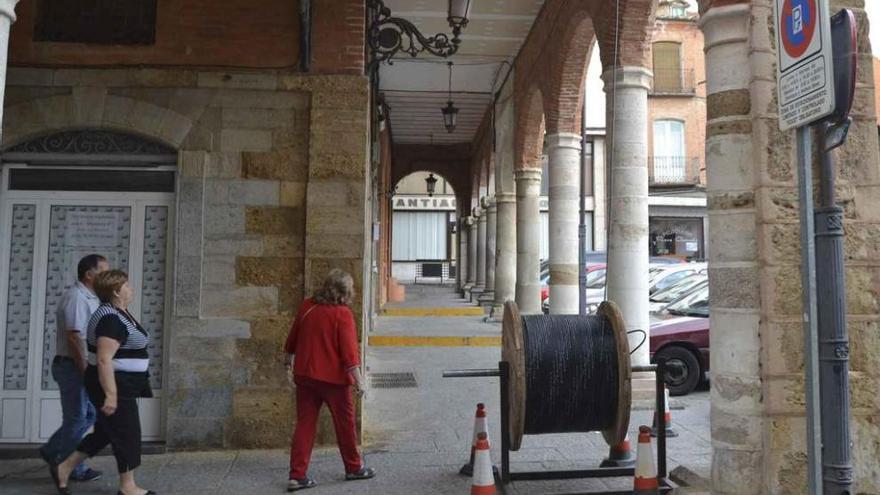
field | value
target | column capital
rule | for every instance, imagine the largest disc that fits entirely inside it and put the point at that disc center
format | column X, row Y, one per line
column 505, row 198
column 484, row 202
column 527, row 174
column 467, row 220
column 476, row 211
column 563, row 140
column 726, row 24
column 627, row 76
column 7, row 9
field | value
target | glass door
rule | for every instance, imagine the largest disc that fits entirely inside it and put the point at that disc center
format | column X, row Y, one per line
column 46, row 238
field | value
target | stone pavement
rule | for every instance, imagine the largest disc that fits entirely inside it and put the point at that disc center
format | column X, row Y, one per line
column 416, row 437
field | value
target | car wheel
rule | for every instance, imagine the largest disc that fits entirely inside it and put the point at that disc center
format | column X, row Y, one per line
column 682, row 369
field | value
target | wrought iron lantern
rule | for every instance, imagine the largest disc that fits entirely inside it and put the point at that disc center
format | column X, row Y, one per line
column 388, row 35
column 430, row 183
column 450, row 113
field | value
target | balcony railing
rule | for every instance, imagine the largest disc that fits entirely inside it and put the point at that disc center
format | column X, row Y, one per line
column 674, row 170
column 673, row 82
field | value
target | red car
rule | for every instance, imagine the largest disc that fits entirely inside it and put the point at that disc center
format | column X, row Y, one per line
column 683, row 341
column 590, row 268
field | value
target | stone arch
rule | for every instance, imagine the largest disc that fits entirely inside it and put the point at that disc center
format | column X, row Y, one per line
column 93, row 110
column 452, row 162
column 564, row 84
column 529, row 137
column 630, row 46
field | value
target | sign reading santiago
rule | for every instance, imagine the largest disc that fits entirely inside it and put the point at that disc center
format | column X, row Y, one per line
column 804, row 72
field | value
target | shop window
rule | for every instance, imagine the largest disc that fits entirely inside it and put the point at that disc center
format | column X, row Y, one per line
column 104, row 22
column 676, row 237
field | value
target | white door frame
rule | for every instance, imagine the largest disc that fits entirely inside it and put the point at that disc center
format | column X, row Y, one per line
column 36, row 428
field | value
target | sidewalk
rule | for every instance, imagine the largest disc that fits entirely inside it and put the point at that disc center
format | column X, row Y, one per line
column 416, row 437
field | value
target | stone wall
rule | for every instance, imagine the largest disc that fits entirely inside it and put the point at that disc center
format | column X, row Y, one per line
column 758, row 406
column 271, row 172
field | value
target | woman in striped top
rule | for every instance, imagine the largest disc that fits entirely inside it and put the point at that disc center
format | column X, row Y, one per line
column 115, row 378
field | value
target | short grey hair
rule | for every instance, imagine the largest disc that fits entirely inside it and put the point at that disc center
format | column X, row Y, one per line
column 336, row 288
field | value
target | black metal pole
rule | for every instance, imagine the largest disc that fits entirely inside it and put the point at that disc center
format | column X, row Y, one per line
column 660, row 380
column 504, row 368
column 837, row 467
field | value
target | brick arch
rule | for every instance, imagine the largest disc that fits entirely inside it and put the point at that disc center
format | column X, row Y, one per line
column 529, row 130
column 566, row 71
column 452, row 162
column 33, row 118
column 636, row 24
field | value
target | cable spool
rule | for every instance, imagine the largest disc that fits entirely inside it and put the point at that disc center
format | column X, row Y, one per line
column 568, row 373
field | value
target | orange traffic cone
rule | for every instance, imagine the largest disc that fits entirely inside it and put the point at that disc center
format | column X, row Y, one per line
column 620, row 455
column 483, row 482
column 667, row 417
column 480, row 426
column 645, row 482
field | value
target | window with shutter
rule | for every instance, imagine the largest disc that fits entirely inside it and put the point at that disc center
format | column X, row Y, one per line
column 667, row 67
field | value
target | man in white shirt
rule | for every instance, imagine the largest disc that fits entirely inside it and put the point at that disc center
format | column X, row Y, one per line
column 72, row 319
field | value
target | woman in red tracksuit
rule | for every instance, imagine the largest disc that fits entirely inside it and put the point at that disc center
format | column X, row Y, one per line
column 323, row 348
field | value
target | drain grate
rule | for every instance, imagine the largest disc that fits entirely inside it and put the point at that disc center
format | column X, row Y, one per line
column 393, row 380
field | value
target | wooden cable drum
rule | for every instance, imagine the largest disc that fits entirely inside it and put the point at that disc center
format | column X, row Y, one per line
column 568, row 373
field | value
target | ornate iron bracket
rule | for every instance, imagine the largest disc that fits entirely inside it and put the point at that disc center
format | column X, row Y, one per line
column 389, row 35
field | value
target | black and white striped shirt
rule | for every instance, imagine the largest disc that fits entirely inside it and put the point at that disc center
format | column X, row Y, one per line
column 132, row 355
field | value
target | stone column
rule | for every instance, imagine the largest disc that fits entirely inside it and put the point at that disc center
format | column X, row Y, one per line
column 563, row 157
column 628, row 222
column 491, row 241
column 462, row 261
column 505, row 252
column 481, row 248
column 7, row 17
column 472, row 252
column 528, row 231
column 466, row 255
column 734, row 156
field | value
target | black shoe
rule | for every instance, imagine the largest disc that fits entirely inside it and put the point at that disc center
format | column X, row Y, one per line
column 301, row 484
column 53, row 471
column 149, row 492
column 363, row 473
column 89, row 475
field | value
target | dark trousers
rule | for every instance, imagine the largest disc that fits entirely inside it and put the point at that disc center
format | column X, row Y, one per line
column 121, row 430
column 78, row 414
column 310, row 395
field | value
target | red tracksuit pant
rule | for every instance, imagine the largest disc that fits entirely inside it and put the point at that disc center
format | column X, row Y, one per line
column 310, row 395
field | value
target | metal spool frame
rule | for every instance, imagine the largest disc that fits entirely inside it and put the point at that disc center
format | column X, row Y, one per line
column 512, row 351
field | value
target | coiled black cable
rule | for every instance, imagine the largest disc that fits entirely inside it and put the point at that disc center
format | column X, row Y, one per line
column 571, row 373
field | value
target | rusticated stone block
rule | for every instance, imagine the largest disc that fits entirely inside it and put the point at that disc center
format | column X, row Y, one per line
column 732, row 237
column 865, row 452
column 736, row 350
column 781, row 242
column 734, row 287
column 292, row 193
column 737, row 392
column 737, row 430
column 864, row 338
column 265, row 271
column 783, row 347
column 783, row 291
column 284, row 246
column 785, row 394
column 858, row 161
column 861, row 241
column 286, row 164
column 862, row 290
column 778, row 147
column 778, row 204
column 241, row 302
column 728, row 103
column 864, row 392
column 734, row 469
column 744, row 200
column 274, row 221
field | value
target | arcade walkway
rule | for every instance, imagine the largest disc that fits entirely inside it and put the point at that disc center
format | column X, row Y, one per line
column 416, row 435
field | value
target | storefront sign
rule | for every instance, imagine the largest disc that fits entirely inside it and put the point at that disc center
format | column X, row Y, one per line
column 407, row 202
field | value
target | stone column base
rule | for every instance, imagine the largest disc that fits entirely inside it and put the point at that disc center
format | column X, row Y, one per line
column 474, row 294
column 496, row 312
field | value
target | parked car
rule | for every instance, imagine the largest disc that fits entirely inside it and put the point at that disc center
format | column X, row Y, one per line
column 668, row 275
column 662, row 297
column 683, row 341
column 595, row 278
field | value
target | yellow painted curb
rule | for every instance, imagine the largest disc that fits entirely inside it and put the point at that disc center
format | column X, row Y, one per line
column 415, row 341
column 462, row 311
